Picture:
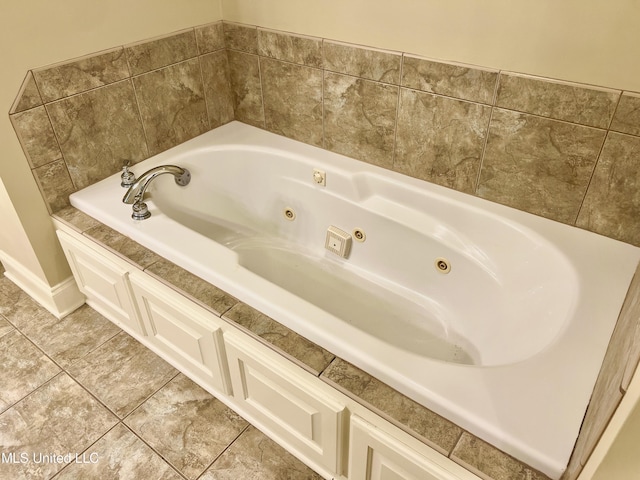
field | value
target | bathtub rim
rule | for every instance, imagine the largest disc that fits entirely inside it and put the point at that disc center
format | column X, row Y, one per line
column 550, row 466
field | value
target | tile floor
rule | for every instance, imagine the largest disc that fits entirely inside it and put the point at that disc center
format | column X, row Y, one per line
column 81, row 389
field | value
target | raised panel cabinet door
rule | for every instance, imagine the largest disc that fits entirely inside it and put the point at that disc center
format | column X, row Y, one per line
column 376, row 455
column 183, row 331
column 286, row 402
column 104, row 282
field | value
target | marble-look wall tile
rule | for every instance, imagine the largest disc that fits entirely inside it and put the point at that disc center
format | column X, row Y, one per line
column 362, row 62
column 489, row 462
column 150, row 55
column 55, row 184
column 172, row 105
column 63, row 80
column 627, row 116
column 305, row 353
column 292, row 100
column 628, row 354
column 186, row 425
column 78, row 420
column 120, row 455
column 217, row 88
column 254, row 455
column 412, row 417
column 612, row 204
column 359, row 118
column 538, row 165
column 453, row 80
column 290, row 48
column 560, row 100
column 98, row 131
column 241, row 37
column 619, row 364
column 36, row 135
column 28, row 95
column 244, row 74
column 210, row 38
column 440, row 139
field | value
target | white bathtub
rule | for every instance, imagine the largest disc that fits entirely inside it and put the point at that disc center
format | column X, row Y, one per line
column 507, row 345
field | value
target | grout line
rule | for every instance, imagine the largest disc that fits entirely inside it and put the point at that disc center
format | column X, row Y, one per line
column 397, row 116
column 139, row 115
column 455, row 444
column 486, row 139
column 249, row 424
column 323, row 73
column 264, row 114
column 593, row 173
column 173, row 467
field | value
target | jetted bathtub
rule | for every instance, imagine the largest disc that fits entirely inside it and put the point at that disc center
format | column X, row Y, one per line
column 496, row 319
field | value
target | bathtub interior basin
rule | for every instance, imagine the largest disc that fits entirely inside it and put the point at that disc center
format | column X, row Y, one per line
column 489, row 309
column 507, row 343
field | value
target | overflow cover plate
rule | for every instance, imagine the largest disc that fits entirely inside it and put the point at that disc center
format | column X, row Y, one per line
column 338, row 241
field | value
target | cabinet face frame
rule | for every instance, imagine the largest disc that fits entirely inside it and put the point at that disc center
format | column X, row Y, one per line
column 287, row 402
column 104, row 283
column 184, row 332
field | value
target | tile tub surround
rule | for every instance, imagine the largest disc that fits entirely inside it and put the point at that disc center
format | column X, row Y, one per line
column 80, row 121
column 562, row 150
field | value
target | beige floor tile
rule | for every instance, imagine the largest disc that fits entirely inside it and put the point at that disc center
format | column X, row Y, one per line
column 122, row 373
column 257, row 457
column 66, row 340
column 60, row 418
column 10, row 295
column 186, row 425
column 23, row 368
column 5, row 327
column 119, row 455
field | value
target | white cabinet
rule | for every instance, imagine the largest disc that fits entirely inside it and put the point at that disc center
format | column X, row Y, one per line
column 183, row 331
column 304, row 414
column 375, row 454
column 289, row 403
column 103, row 280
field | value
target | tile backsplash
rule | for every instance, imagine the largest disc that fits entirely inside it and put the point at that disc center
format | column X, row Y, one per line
column 80, row 121
column 561, row 150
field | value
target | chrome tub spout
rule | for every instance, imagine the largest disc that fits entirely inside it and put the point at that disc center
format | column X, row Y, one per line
column 135, row 193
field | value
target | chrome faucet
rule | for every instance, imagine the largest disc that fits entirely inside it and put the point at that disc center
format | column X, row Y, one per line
column 127, row 178
column 135, row 194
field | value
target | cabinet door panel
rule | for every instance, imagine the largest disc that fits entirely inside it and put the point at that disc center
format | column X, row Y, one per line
column 104, row 282
column 286, row 402
column 186, row 333
column 376, row 455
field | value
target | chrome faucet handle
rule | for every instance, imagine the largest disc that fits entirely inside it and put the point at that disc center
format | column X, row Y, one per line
column 127, row 178
column 140, row 210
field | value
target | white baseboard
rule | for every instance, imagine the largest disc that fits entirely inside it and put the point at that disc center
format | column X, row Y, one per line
column 60, row 300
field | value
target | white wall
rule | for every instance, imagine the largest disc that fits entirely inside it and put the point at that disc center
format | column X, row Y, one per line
column 592, row 41
column 35, row 33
